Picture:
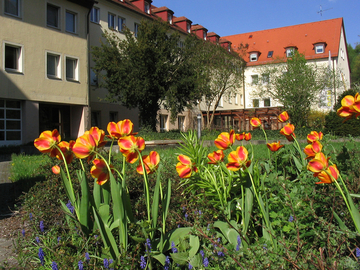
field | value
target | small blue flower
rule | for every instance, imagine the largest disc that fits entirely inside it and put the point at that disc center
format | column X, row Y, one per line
column 70, row 207
column 167, row 263
column 219, row 240
column 148, row 244
column 173, row 247
column 208, row 227
column 23, row 232
column 110, row 262
column 220, row 254
column 265, row 246
column 206, row 262
column 200, row 213
column 31, row 216
column 142, row 262
column 42, row 228
column 186, row 216
column 190, row 266
column 41, row 256
column 357, row 252
column 238, row 243
column 106, row 263
column 37, row 239
column 87, row 257
column 54, row 266
column 202, row 253
column 80, row 265
column 58, row 239
column 291, row 218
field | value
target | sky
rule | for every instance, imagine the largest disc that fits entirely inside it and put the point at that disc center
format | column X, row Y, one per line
column 231, row 17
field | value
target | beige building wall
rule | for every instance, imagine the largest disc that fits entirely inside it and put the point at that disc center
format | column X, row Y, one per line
column 35, row 40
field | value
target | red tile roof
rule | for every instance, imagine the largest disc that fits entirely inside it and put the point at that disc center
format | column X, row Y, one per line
column 302, row 36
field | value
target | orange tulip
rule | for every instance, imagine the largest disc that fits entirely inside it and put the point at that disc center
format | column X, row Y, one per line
column 240, row 136
column 312, row 149
column 225, row 140
column 319, row 163
column 291, row 137
column 98, row 135
column 238, row 159
column 275, row 146
column 216, row 157
column 85, row 146
column 120, row 129
column 283, row 117
column 349, row 105
column 66, row 148
column 47, row 141
column 151, row 163
column 185, row 167
column 100, row 171
column 130, row 147
column 287, row 130
column 55, row 169
column 247, row 136
column 314, row 136
column 325, row 176
column 255, row 122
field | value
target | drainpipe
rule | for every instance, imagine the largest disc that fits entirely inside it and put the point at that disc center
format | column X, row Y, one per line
column 87, row 124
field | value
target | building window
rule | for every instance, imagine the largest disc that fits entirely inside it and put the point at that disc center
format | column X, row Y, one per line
column 95, row 15
column 93, row 78
column 267, row 102
column 204, row 35
column 319, row 48
column 230, row 99
column 111, row 21
column 236, row 99
column 121, row 24
column 270, row 54
column 95, row 118
column 52, row 16
column 181, row 123
column 290, row 52
column 147, row 7
column 12, row 7
column 136, row 29
column 265, row 78
column 241, row 99
column 253, row 57
column 70, row 22
column 221, row 102
column 181, row 44
column 163, row 122
column 71, row 69
column 13, row 58
column 170, row 17
column 255, row 103
column 113, row 116
column 53, row 69
column 254, row 79
column 10, row 121
column 188, row 27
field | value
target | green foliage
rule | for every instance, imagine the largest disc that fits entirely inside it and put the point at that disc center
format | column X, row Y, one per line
column 335, row 124
column 147, row 71
column 354, row 59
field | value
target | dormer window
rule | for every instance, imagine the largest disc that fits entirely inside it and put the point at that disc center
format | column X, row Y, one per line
column 204, row 35
column 169, row 18
column 147, row 8
column 270, row 54
column 188, row 27
column 290, row 52
column 319, row 48
column 253, row 57
column 229, row 47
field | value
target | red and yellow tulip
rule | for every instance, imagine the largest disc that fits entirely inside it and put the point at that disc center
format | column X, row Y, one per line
column 47, row 141
column 216, row 157
column 275, row 146
column 185, row 166
column 283, row 117
column 66, row 149
column 314, row 136
column 318, row 163
column 56, row 169
column 120, row 129
column 328, row 176
column 240, row 136
column 85, row 146
column 225, row 140
column 287, row 130
column 130, row 146
column 312, row 149
column 151, row 163
column 255, row 122
column 100, row 171
column 238, row 159
column 349, row 106
column 247, row 136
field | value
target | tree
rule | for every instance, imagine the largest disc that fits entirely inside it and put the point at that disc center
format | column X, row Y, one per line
column 296, row 85
column 148, row 71
column 219, row 73
column 354, row 59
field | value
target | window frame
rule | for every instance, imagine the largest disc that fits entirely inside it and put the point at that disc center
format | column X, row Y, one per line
column 319, row 46
column 74, row 23
column 58, row 75
column 58, row 16
column 111, row 15
column 290, row 52
column 136, row 29
column 204, row 34
column 19, row 9
column 170, row 18
column 163, row 122
column 188, row 27
column 6, row 119
column 20, row 57
column 254, row 79
column 97, row 12
column 270, row 54
column 267, row 99
column 75, row 70
column 181, row 123
column 121, row 24
column 254, row 102
column 253, row 57
column 147, row 7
